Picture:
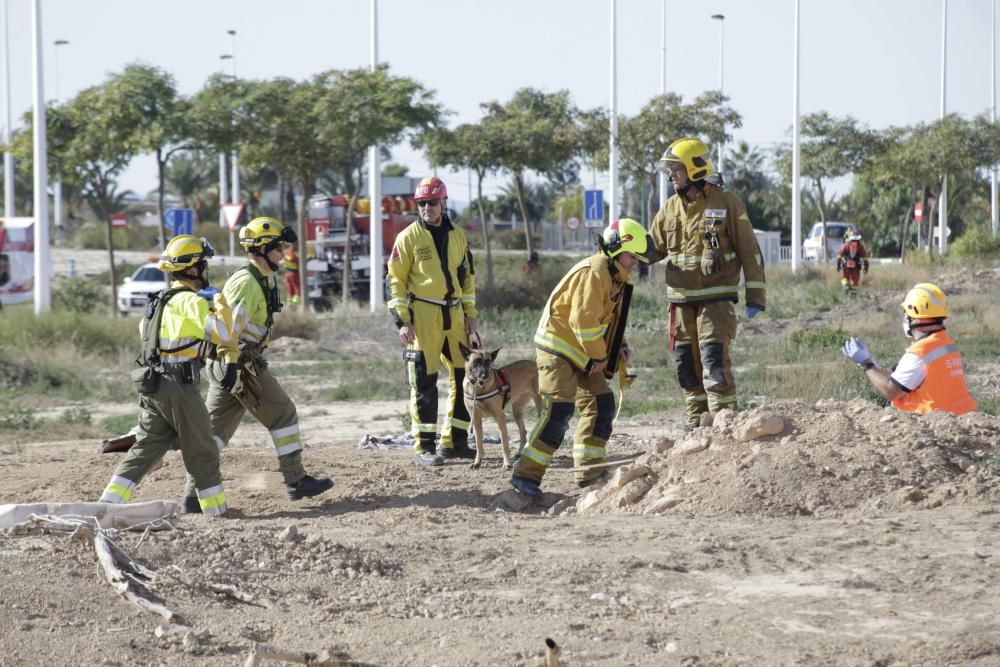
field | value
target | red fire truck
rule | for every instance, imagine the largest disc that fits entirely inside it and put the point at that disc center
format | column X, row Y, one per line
column 326, row 237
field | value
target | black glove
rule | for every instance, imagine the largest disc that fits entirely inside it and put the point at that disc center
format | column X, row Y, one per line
column 865, row 270
column 840, row 264
column 229, row 379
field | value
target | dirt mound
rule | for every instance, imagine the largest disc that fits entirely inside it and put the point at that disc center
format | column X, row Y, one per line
column 829, row 459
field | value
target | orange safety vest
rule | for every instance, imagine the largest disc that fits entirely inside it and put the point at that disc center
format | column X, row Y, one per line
column 944, row 387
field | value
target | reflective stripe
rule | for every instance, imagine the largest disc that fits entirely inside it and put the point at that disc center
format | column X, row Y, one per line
column 708, row 291
column 696, row 398
column 396, row 303
column 753, row 284
column 219, row 442
column 940, row 352
column 212, row 500
column 469, row 298
column 539, row 457
column 591, row 334
column 215, row 328
column 424, row 428
column 581, row 451
column 561, row 348
column 286, row 440
column 458, row 423
column 119, row 490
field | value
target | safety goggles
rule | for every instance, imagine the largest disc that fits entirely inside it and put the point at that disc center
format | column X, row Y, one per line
column 666, row 167
column 428, row 202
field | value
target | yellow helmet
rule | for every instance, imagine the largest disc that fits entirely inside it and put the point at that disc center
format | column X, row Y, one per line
column 925, row 301
column 184, row 251
column 625, row 235
column 691, row 153
column 264, row 231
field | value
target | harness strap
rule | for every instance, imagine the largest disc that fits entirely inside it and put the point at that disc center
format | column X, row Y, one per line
column 444, row 303
column 502, row 388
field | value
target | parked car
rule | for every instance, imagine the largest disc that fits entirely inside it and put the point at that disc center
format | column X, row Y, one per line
column 134, row 290
column 835, row 233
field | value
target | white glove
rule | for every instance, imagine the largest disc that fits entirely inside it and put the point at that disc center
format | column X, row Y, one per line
column 856, row 350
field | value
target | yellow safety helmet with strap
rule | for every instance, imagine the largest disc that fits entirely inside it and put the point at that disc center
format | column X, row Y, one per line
column 264, row 231
column 184, row 251
column 625, row 235
column 926, row 301
column 691, row 153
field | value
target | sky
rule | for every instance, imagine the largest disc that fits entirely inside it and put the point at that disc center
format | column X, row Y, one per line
column 876, row 60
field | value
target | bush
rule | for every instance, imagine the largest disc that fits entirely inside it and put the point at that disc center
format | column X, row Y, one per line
column 94, row 236
column 977, row 243
column 78, row 295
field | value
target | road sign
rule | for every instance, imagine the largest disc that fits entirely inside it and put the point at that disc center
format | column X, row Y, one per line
column 233, row 213
column 918, row 212
column 593, row 208
column 179, row 221
column 573, row 224
column 119, row 221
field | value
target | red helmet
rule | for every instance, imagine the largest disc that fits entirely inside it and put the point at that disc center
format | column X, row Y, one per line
column 431, row 188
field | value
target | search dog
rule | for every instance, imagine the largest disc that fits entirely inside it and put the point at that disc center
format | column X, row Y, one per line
column 488, row 391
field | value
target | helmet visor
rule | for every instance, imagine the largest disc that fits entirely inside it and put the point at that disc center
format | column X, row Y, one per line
column 288, row 235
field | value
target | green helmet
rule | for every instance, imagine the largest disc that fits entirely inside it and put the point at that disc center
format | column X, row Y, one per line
column 625, row 235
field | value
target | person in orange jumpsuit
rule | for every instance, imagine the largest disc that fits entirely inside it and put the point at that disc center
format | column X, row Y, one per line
column 851, row 261
column 291, row 263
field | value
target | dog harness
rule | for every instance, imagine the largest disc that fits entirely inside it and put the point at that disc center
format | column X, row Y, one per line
column 502, row 388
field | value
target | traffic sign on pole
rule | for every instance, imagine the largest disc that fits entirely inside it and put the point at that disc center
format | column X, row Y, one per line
column 593, row 208
column 179, row 221
column 119, row 221
column 572, row 223
column 233, row 213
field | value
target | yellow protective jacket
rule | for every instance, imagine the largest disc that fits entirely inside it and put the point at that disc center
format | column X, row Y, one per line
column 417, row 270
column 254, row 300
column 582, row 306
column 190, row 323
column 678, row 232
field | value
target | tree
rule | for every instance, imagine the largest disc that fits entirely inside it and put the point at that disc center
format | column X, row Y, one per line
column 150, row 115
column 187, row 176
column 540, row 132
column 360, row 108
column 749, row 178
column 468, row 146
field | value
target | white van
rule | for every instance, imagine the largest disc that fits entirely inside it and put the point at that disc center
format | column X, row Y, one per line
column 835, row 232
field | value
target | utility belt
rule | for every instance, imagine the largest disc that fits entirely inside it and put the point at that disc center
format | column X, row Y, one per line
column 185, row 372
column 446, row 305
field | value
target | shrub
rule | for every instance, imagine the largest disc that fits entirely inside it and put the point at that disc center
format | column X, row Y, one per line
column 94, row 236
column 78, row 295
column 977, row 243
column 77, row 415
column 16, row 417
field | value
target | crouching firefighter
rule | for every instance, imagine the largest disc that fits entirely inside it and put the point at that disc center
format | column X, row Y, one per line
column 180, row 324
column 578, row 329
column 252, row 291
column 433, row 286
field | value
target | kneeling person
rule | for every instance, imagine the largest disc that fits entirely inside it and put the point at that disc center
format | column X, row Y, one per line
column 573, row 340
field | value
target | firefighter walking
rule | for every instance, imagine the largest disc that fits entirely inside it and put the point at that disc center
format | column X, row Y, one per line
column 573, row 342
column 706, row 238
column 290, row 260
column 433, row 303
column 180, row 324
column 252, row 291
column 852, row 260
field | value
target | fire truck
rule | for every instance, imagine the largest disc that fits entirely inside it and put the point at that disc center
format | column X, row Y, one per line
column 327, row 237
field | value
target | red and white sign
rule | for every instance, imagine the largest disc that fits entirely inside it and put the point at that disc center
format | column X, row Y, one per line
column 232, row 213
column 119, row 221
column 573, row 224
column 918, row 211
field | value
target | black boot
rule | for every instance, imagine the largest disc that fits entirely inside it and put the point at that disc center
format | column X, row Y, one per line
column 307, row 487
column 190, row 505
column 464, row 452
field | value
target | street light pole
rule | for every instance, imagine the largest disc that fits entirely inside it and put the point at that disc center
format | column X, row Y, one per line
column 8, row 157
column 57, row 203
column 376, row 300
column 223, row 174
column 943, row 208
column 722, row 144
column 993, row 116
column 613, row 158
column 661, row 178
column 796, row 166
column 235, row 159
column 43, row 295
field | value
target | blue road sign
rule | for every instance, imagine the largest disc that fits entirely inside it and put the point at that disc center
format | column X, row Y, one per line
column 593, row 208
column 179, row 221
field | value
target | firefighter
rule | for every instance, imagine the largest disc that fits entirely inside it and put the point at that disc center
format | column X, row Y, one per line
column 252, row 291
column 707, row 239
column 851, row 262
column 930, row 375
column 290, row 260
column 191, row 317
column 433, row 303
column 572, row 341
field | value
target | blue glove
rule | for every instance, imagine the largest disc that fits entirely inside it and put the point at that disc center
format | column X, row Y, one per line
column 856, row 350
column 753, row 310
column 208, row 293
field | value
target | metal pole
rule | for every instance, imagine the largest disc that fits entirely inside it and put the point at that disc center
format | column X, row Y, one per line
column 796, row 166
column 232, row 33
column 993, row 117
column 722, row 144
column 223, row 180
column 57, row 204
column 613, row 159
column 661, row 178
column 943, row 208
column 376, row 301
column 41, row 205
column 8, row 157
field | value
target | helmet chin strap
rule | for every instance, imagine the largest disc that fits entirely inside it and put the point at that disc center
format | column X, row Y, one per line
column 697, row 185
column 263, row 253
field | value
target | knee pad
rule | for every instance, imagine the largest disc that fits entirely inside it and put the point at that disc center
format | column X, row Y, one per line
column 687, row 378
column 557, row 425
column 605, row 416
column 713, row 361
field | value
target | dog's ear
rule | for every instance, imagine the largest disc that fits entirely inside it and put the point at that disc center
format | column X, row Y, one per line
column 465, row 351
column 494, row 353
